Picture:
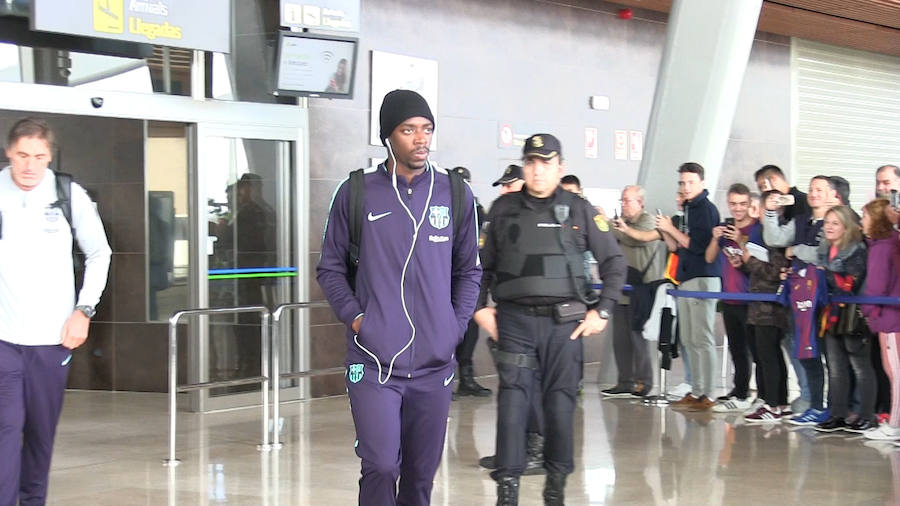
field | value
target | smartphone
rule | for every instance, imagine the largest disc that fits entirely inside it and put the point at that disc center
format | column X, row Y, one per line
column 659, row 212
column 615, row 214
column 785, row 200
column 895, row 200
column 767, row 185
column 729, row 222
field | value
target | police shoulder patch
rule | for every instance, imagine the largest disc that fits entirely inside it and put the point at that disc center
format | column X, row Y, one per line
column 602, row 224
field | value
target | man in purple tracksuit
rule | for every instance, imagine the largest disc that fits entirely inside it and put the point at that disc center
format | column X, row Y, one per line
column 415, row 290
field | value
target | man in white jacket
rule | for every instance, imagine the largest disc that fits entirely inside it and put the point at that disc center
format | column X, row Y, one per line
column 40, row 320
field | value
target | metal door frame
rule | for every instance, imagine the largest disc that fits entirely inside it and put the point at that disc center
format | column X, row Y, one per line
column 248, row 120
column 200, row 400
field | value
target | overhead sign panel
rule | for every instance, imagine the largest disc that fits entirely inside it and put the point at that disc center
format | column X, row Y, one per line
column 340, row 15
column 195, row 24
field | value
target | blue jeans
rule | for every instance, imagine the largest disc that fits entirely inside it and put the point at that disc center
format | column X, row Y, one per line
column 788, row 345
column 815, row 378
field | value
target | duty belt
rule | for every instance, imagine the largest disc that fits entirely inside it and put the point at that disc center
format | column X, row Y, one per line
column 516, row 359
column 544, row 310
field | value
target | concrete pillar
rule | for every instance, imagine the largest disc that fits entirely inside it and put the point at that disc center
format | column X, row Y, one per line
column 707, row 47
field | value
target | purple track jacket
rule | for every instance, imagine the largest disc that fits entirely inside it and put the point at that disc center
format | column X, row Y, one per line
column 416, row 284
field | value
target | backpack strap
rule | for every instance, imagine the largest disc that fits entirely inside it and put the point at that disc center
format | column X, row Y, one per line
column 64, row 196
column 457, row 200
column 357, row 208
column 64, row 203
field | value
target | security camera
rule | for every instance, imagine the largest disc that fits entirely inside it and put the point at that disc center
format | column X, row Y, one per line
column 97, row 102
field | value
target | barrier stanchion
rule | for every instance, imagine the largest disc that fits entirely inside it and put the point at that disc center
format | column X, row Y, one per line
column 660, row 399
column 174, row 388
column 276, row 365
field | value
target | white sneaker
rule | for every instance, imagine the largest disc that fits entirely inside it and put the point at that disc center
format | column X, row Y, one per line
column 754, row 406
column 732, row 404
column 679, row 391
column 883, row 433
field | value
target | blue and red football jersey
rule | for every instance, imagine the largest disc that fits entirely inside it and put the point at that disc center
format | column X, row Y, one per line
column 806, row 292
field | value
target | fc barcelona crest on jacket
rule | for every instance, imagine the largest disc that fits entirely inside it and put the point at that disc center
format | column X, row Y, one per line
column 439, row 216
column 355, row 372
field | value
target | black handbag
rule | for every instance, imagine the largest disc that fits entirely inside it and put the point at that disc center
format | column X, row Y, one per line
column 850, row 321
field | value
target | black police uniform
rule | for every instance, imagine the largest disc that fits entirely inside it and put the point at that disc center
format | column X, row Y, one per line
column 527, row 273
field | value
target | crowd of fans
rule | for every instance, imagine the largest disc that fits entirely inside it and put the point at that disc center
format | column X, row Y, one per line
column 815, row 253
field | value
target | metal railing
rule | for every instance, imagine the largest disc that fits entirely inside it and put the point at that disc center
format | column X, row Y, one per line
column 276, row 365
column 174, row 388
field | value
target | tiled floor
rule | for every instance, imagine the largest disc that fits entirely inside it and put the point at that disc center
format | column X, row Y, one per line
column 110, row 447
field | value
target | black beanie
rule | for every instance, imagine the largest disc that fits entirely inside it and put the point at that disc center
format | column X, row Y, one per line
column 400, row 105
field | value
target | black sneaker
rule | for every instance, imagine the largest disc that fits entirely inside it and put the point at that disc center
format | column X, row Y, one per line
column 617, row 391
column 640, row 390
column 728, row 396
column 833, row 424
column 489, row 462
column 861, row 425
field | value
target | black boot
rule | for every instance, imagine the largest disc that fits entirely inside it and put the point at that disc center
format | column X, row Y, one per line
column 468, row 385
column 489, row 462
column 534, row 454
column 554, row 488
column 508, row 491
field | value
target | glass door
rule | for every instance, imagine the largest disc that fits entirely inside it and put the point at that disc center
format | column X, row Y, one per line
column 247, row 251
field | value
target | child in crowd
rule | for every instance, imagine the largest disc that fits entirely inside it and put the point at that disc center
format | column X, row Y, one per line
column 768, row 321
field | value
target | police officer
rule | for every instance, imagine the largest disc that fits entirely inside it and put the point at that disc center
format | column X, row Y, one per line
column 532, row 260
column 466, row 348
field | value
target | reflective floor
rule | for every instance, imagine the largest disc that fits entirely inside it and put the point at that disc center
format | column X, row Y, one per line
column 110, row 446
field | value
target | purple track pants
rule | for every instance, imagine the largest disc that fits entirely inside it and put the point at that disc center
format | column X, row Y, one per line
column 32, row 383
column 400, row 429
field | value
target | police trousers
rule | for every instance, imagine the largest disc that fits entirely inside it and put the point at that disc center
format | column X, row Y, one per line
column 559, row 367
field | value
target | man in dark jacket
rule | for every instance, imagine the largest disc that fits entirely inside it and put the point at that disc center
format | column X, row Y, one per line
column 696, row 317
column 415, row 289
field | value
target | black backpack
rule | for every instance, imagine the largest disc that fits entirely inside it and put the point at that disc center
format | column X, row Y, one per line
column 357, row 213
column 64, row 204
column 64, row 197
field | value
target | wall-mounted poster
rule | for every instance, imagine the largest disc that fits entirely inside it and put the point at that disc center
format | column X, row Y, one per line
column 394, row 71
column 636, row 141
column 590, row 143
column 621, row 145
